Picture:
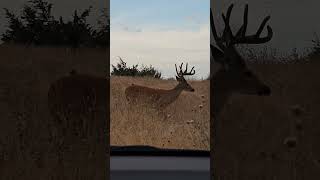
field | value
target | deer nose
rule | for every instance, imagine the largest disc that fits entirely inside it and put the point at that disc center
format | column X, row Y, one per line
column 192, row 90
column 265, row 91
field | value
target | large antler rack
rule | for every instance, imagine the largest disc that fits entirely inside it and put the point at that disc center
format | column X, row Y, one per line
column 228, row 39
column 181, row 73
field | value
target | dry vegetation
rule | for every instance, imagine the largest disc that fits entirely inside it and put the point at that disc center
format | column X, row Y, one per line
column 27, row 148
column 274, row 137
column 187, row 125
column 271, row 134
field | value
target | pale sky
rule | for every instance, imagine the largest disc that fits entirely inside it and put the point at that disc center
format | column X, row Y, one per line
column 154, row 32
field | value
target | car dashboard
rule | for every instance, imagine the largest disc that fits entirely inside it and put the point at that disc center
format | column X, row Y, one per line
column 146, row 162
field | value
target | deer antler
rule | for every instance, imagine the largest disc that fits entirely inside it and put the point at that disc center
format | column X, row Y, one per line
column 227, row 54
column 240, row 38
column 181, row 73
column 218, row 39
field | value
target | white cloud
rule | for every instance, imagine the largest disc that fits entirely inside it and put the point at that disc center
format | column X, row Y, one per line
column 163, row 48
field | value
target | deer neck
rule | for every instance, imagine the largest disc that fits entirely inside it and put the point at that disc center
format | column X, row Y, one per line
column 220, row 95
column 219, row 101
column 176, row 91
column 171, row 95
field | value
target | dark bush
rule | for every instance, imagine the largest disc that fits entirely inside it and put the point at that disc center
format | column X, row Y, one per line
column 121, row 69
column 36, row 26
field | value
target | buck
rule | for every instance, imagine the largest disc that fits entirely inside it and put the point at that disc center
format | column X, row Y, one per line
column 160, row 98
column 234, row 75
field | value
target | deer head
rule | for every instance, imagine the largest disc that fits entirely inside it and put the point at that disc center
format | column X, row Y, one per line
column 183, row 84
column 234, row 74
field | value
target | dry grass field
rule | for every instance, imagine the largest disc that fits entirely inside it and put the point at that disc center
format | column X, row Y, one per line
column 277, row 136
column 27, row 148
column 262, row 135
column 187, row 125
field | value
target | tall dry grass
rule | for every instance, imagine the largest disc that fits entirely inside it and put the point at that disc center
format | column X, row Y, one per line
column 187, row 125
column 273, row 137
column 27, row 148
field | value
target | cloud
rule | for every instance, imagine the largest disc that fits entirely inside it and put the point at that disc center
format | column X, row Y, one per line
column 162, row 48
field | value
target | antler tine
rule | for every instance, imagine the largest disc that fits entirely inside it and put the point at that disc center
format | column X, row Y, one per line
column 243, row 28
column 252, row 39
column 215, row 34
column 255, row 39
column 185, row 71
column 213, row 27
column 176, row 69
column 227, row 33
column 245, row 21
column 265, row 20
column 181, row 69
column 227, row 19
column 179, row 73
column 192, row 71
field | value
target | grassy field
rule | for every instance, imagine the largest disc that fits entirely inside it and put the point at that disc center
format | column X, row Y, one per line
column 257, row 131
column 274, row 137
column 186, row 128
column 27, row 148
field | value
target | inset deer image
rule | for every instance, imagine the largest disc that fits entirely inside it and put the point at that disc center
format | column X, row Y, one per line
column 160, row 98
column 233, row 77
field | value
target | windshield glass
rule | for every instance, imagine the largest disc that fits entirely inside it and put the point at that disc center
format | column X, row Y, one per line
column 159, row 74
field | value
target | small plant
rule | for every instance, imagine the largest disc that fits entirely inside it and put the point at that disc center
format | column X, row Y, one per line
column 315, row 49
column 121, row 69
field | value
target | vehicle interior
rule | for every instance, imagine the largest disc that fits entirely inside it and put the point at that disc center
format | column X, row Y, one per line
column 147, row 162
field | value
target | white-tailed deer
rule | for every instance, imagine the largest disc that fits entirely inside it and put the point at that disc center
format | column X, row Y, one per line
column 160, row 98
column 234, row 75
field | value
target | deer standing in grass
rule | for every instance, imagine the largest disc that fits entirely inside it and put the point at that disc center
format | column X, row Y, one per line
column 234, row 75
column 160, row 98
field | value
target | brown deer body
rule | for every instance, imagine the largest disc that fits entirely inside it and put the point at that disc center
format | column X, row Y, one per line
column 233, row 77
column 159, row 98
